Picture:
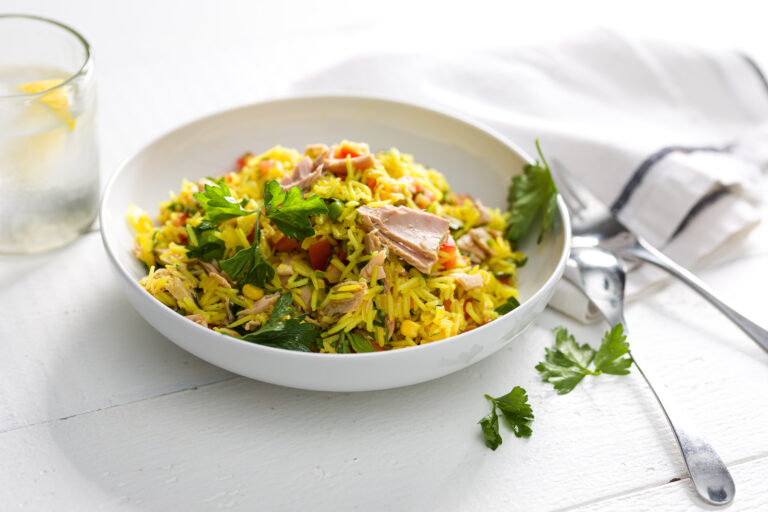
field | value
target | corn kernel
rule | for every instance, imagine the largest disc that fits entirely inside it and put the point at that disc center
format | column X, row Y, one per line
column 409, row 328
column 252, row 292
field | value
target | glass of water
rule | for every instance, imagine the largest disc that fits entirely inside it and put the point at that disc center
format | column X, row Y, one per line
column 49, row 174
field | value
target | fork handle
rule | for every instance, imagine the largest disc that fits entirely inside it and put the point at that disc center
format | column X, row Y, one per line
column 642, row 250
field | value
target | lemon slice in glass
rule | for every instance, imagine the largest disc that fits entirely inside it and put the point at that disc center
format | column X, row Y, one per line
column 57, row 99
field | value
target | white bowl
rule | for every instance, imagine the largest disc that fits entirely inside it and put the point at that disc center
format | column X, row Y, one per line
column 474, row 160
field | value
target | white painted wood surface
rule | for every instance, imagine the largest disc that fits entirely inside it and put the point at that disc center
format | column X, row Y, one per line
column 99, row 412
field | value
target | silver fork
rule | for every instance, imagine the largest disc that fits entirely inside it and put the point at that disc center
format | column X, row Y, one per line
column 600, row 275
column 596, row 271
column 595, row 225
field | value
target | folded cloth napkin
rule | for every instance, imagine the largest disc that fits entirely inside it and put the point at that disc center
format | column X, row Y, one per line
column 673, row 138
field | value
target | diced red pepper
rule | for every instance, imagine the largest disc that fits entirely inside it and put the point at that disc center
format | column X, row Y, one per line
column 423, row 197
column 345, row 150
column 319, row 254
column 251, row 236
column 371, row 183
column 449, row 247
column 286, row 244
column 243, row 160
column 181, row 219
column 265, row 166
column 183, row 239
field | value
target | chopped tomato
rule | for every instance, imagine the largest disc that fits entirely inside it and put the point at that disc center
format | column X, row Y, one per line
column 371, row 183
column 182, row 219
column 345, row 150
column 341, row 253
column 183, row 239
column 450, row 254
column 423, row 197
column 319, row 254
column 286, row 244
column 243, row 160
column 265, row 166
column 251, row 236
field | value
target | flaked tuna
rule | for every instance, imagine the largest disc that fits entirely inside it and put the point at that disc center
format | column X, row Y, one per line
column 414, row 235
column 304, row 175
column 344, row 297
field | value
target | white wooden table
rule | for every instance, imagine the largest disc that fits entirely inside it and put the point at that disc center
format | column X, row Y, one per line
column 100, row 412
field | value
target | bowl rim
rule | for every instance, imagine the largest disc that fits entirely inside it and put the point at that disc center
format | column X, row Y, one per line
column 381, row 355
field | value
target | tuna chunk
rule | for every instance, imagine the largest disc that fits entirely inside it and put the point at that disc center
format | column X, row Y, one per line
column 376, row 261
column 469, row 281
column 304, row 175
column 177, row 283
column 475, row 244
column 485, row 214
column 198, row 319
column 305, row 292
column 260, row 305
column 339, row 306
column 414, row 235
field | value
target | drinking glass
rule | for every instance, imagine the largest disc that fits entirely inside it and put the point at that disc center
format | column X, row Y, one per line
column 49, row 175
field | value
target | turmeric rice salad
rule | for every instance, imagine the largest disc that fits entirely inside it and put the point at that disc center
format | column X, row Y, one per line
column 333, row 250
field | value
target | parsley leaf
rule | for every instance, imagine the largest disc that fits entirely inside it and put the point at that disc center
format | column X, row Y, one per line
column 508, row 306
column 207, row 247
column 490, row 426
column 219, row 205
column 531, row 194
column 516, row 411
column 359, row 343
column 248, row 266
column 290, row 334
column 568, row 363
column 290, row 211
column 609, row 357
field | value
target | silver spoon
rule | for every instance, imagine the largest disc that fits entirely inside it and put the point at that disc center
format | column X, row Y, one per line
column 600, row 275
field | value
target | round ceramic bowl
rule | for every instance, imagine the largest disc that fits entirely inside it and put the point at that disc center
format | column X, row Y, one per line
column 473, row 159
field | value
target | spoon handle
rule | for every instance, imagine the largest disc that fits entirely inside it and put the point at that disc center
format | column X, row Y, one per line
column 708, row 472
column 644, row 251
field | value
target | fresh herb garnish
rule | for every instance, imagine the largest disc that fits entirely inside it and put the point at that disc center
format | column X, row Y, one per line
column 290, row 334
column 508, row 306
column 290, row 212
column 531, row 194
column 206, row 245
column 568, row 363
column 516, row 411
column 248, row 266
column 343, row 343
column 219, row 205
column 359, row 343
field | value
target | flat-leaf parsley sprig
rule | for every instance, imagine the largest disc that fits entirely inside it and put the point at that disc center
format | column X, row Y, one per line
column 531, row 194
column 567, row 364
column 515, row 410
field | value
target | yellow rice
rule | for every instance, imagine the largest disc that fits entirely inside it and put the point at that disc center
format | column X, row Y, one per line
column 438, row 306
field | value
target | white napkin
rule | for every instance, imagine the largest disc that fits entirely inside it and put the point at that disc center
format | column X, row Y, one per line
column 674, row 137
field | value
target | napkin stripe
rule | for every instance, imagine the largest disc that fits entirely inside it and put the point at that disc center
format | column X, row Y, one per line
column 698, row 207
column 757, row 69
column 639, row 175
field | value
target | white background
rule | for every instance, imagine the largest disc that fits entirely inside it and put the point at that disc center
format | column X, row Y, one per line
column 98, row 411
